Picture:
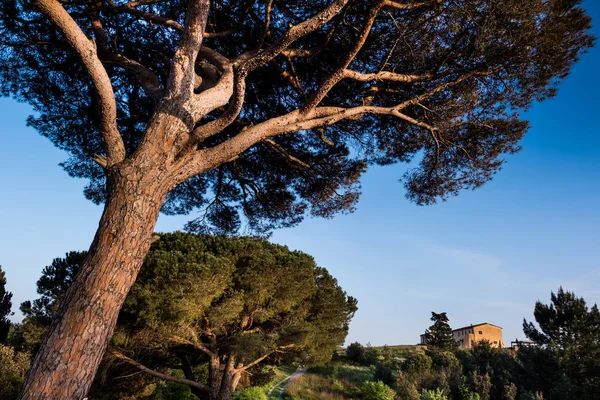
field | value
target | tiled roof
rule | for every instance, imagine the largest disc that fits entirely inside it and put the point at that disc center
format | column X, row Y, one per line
column 473, row 326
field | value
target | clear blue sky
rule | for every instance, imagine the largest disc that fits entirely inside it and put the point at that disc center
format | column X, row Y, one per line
column 486, row 255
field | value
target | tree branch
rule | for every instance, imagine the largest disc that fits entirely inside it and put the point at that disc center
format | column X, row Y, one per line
column 218, row 95
column 235, row 106
column 130, row 9
column 146, row 77
column 342, row 72
column 385, row 76
column 294, row 121
column 296, row 53
column 115, row 149
column 253, row 60
column 157, row 374
column 181, row 79
column 273, row 145
column 195, row 344
column 258, row 360
column 411, row 6
column 339, row 74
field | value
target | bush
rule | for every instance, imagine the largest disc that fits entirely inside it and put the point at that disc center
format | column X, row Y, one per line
column 417, row 363
column 252, row 393
column 406, row 388
column 13, row 367
column 372, row 355
column 437, row 394
column 385, row 374
column 445, row 361
column 376, row 391
column 356, row 352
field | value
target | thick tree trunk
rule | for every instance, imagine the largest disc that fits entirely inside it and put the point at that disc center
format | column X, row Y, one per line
column 65, row 366
column 214, row 377
column 229, row 380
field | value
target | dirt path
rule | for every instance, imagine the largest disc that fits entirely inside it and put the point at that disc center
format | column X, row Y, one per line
column 282, row 384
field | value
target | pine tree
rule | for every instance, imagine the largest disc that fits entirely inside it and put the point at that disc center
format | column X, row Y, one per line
column 439, row 335
column 5, row 306
column 569, row 331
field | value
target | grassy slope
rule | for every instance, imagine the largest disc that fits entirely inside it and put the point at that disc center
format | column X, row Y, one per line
column 340, row 380
column 337, row 381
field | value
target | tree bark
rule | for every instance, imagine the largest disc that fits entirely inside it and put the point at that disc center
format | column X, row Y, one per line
column 67, row 362
column 229, row 380
column 214, row 377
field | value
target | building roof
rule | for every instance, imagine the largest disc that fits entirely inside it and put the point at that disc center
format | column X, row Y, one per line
column 473, row 326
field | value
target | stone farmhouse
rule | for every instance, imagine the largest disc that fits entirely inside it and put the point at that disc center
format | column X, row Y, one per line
column 467, row 336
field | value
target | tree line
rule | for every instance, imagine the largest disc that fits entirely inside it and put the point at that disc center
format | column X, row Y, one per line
column 209, row 314
column 562, row 364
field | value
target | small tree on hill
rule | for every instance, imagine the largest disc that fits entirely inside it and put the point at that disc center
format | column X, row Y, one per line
column 356, row 352
column 439, row 335
column 5, row 307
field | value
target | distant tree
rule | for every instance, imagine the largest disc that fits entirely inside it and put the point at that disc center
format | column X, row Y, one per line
column 566, row 323
column 356, row 352
column 13, row 367
column 264, row 111
column 372, row 355
column 231, row 303
column 387, row 354
column 445, row 362
column 52, row 285
column 439, row 335
column 5, row 307
column 482, row 384
column 417, row 364
column 570, row 331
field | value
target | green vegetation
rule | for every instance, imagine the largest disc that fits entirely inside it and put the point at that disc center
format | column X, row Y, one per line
column 158, row 119
column 252, row 393
column 235, row 316
column 437, row 394
column 334, row 381
column 376, row 391
column 13, row 367
column 208, row 312
column 5, row 306
column 564, row 365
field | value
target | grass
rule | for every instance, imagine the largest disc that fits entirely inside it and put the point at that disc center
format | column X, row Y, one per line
column 336, row 381
column 316, row 387
column 281, row 373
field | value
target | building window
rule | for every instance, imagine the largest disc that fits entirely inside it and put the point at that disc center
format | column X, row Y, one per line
column 481, row 332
